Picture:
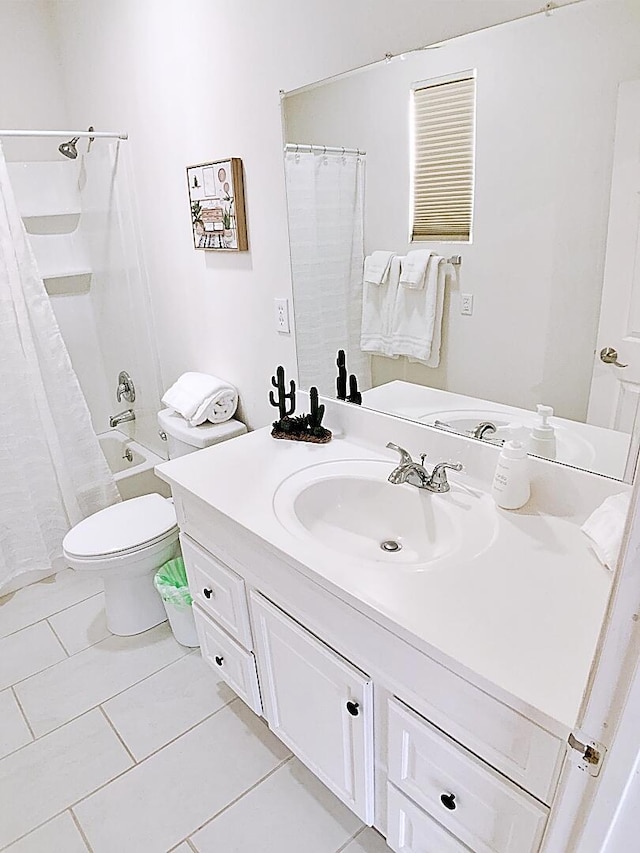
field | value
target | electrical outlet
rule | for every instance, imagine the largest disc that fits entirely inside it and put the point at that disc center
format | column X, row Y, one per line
column 281, row 307
column 466, row 303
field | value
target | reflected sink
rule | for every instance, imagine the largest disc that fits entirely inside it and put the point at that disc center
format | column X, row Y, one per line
column 571, row 447
column 350, row 508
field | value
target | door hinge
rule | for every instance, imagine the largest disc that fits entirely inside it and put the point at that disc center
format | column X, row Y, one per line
column 585, row 753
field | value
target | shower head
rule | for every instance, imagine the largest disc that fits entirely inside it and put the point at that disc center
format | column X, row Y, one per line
column 69, row 148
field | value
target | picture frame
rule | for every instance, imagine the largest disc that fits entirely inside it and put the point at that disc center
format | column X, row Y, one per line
column 216, row 202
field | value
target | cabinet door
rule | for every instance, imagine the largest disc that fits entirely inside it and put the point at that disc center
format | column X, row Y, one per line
column 317, row 703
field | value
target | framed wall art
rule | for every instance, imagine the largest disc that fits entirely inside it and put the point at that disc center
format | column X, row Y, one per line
column 216, row 197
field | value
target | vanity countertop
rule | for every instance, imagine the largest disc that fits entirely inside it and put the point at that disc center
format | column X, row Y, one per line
column 523, row 616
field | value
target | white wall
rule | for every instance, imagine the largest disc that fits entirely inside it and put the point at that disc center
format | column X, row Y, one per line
column 32, row 97
column 31, row 88
column 546, row 101
column 199, row 81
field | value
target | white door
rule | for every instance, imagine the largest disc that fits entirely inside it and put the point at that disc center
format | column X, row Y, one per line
column 318, row 704
column 590, row 796
column 615, row 390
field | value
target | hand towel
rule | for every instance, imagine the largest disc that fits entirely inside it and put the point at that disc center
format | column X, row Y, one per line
column 414, row 269
column 376, row 267
column 377, row 312
column 605, row 526
column 417, row 316
column 199, row 397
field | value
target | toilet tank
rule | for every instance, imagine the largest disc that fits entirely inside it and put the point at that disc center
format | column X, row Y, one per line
column 183, row 438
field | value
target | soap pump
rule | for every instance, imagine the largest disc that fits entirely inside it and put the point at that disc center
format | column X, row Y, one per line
column 542, row 441
column 511, row 488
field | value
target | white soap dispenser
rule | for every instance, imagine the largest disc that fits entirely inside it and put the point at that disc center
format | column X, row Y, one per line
column 511, row 488
column 542, row 441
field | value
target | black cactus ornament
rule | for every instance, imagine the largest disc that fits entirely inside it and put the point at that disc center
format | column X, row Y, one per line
column 278, row 382
column 341, row 381
column 302, row 427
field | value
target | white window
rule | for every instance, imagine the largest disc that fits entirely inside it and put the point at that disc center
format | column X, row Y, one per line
column 442, row 162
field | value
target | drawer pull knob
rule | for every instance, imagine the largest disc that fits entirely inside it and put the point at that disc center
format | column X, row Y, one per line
column 208, row 593
column 352, row 708
column 448, row 801
column 220, row 660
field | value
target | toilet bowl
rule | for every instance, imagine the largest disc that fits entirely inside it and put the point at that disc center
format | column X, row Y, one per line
column 128, row 542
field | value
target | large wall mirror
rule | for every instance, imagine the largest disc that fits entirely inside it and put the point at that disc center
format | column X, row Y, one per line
column 552, row 266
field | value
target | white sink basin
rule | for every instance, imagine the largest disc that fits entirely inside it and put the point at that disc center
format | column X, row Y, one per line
column 350, row 508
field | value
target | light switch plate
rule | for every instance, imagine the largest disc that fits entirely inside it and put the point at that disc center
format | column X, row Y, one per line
column 466, row 303
column 281, row 307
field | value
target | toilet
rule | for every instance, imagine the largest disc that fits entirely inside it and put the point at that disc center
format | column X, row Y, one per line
column 128, row 542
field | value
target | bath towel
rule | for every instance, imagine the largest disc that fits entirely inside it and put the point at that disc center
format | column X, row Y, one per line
column 199, row 397
column 377, row 312
column 417, row 316
column 605, row 526
column 377, row 266
column 414, row 269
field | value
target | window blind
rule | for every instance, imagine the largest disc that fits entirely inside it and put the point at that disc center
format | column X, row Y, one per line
column 443, row 164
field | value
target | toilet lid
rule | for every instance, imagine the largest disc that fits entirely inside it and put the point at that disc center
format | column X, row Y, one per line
column 122, row 527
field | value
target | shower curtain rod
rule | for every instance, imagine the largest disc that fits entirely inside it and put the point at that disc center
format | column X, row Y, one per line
column 97, row 134
column 326, row 149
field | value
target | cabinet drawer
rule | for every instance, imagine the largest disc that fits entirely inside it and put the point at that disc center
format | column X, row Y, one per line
column 479, row 806
column 231, row 662
column 410, row 830
column 219, row 591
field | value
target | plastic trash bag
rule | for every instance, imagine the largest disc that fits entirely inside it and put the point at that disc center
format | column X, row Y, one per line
column 171, row 582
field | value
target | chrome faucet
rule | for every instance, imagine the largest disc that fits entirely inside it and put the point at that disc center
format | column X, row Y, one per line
column 482, row 429
column 416, row 474
column 122, row 417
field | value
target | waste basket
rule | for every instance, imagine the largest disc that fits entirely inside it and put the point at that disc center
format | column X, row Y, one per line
column 171, row 582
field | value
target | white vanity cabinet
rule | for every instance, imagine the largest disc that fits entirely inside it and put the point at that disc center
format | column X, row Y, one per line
column 318, row 704
column 440, row 767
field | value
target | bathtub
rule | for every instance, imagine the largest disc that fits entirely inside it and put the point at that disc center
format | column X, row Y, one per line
column 132, row 465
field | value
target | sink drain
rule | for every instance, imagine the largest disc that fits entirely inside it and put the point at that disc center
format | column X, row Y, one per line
column 390, row 545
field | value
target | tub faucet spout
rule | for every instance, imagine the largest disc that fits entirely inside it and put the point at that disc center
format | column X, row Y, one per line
column 122, row 417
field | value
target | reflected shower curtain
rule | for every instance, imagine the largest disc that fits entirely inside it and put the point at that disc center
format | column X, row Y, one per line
column 325, row 200
column 52, row 471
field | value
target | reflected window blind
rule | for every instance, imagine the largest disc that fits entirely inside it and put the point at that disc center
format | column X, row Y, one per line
column 443, row 140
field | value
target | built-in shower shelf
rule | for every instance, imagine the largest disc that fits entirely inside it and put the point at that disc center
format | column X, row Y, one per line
column 60, row 255
column 46, row 188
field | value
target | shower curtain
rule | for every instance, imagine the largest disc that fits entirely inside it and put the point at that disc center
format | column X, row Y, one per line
column 325, row 199
column 52, row 471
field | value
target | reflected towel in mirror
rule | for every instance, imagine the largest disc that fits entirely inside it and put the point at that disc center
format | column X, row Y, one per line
column 414, row 269
column 377, row 266
column 417, row 316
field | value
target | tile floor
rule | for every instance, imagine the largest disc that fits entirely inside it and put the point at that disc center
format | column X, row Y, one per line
column 128, row 745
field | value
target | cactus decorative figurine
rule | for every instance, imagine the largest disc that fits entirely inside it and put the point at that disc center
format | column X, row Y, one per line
column 302, row 427
column 341, row 381
column 281, row 403
column 354, row 395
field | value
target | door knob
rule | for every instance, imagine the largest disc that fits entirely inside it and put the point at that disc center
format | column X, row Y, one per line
column 448, row 801
column 208, row 593
column 219, row 660
column 352, row 708
column 610, row 356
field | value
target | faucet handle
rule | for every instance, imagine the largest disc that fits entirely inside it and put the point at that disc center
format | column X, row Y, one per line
column 438, row 477
column 405, row 456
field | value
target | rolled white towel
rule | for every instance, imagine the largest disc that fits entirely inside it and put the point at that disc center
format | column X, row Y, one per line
column 605, row 526
column 414, row 268
column 376, row 267
column 199, row 397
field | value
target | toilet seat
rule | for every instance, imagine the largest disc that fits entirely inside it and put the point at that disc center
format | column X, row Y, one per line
column 122, row 530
